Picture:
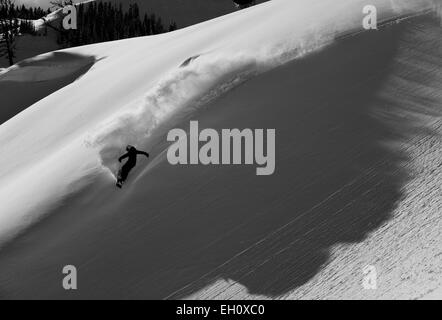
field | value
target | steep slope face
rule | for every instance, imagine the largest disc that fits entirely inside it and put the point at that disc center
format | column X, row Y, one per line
column 73, row 137
column 371, row 123
column 136, row 94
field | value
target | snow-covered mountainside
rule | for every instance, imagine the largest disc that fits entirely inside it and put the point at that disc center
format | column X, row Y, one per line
column 59, row 154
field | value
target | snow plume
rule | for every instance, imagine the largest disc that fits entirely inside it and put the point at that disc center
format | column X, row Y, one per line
column 438, row 9
column 204, row 77
column 407, row 6
column 182, row 90
column 196, row 82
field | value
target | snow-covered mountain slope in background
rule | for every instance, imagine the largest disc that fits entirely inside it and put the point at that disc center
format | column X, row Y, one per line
column 136, row 90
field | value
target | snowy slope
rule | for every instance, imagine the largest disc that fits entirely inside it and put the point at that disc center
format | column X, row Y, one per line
column 136, row 91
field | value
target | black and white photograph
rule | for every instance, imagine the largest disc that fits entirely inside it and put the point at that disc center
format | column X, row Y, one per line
column 214, row 150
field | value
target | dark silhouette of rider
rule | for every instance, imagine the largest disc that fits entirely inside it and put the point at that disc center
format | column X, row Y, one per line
column 131, row 162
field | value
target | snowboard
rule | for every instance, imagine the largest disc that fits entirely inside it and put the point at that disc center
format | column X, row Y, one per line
column 120, row 181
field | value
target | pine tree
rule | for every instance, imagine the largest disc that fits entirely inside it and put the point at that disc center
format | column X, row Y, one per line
column 105, row 21
column 173, row 26
column 244, row 3
column 9, row 30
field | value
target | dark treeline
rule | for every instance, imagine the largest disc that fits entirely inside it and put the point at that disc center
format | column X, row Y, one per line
column 106, row 21
column 96, row 22
column 31, row 13
column 22, row 12
column 13, row 22
column 244, row 3
column 22, row 16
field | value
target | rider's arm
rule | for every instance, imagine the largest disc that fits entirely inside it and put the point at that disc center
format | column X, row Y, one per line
column 123, row 156
column 143, row 153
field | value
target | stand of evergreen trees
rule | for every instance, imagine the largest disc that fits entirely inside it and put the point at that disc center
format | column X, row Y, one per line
column 244, row 3
column 13, row 22
column 96, row 22
column 106, row 21
column 31, row 13
column 22, row 12
column 22, row 17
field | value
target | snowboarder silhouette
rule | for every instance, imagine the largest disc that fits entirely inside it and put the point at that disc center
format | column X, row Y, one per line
column 131, row 162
